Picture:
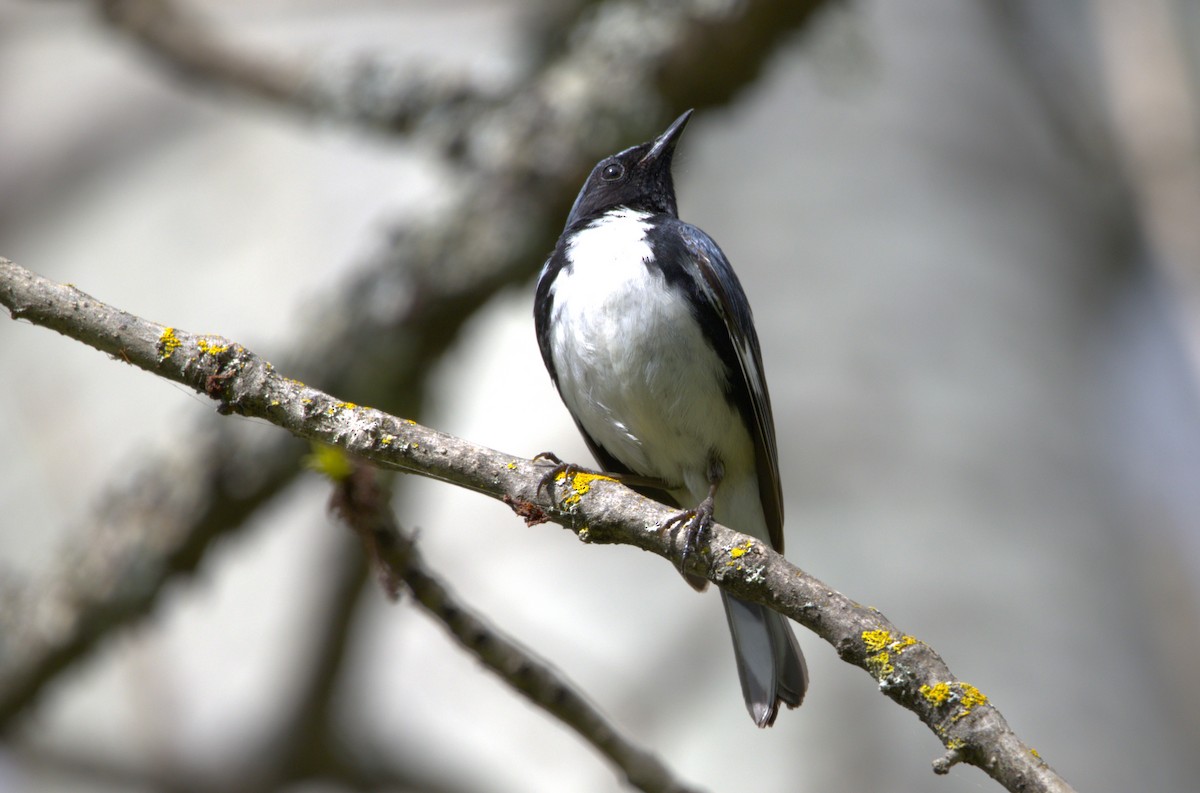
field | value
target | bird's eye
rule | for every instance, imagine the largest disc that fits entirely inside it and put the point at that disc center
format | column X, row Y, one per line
column 612, row 172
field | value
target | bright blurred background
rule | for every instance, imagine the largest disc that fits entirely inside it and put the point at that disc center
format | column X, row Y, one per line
column 971, row 235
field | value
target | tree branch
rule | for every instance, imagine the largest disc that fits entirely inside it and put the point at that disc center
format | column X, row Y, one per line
column 596, row 508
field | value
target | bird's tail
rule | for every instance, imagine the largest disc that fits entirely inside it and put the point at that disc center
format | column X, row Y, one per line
column 769, row 661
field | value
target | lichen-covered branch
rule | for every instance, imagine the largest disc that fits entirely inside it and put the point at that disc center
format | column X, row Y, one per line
column 596, row 508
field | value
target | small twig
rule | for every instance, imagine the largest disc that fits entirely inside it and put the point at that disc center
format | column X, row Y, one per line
column 943, row 764
column 597, row 509
column 362, row 503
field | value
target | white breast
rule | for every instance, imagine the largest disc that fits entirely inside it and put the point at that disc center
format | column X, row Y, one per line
column 632, row 363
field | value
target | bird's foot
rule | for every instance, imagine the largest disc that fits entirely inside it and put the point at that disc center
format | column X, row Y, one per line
column 559, row 469
column 547, row 457
column 695, row 522
column 568, row 470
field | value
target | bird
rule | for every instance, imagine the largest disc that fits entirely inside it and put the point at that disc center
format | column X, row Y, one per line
column 648, row 336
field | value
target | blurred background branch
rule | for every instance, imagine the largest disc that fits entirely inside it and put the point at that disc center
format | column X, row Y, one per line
column 362, row 502
column 366, row 91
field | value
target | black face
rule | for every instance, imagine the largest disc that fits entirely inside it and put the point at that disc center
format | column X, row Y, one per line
column 639, row 178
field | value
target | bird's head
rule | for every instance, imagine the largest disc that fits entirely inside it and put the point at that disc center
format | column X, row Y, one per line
column 638, row 178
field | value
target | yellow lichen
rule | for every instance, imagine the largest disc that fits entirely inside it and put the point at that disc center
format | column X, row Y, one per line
column 330, row 461
column 581, row 483
column 884, row 647
column 338, row 406
column 876, row 640
column 964, row 695
column 386, row 440
column 512, row 466
column 880, row 664
column 168, row 343
column 1034, row 752
column 936, row 694
column 210, row 346
column 738, row 551
column 971, row 697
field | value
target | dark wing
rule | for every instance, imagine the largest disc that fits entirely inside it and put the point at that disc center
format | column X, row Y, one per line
column 724, row 315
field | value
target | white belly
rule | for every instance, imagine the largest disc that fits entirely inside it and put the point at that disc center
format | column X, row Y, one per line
column 634, row 367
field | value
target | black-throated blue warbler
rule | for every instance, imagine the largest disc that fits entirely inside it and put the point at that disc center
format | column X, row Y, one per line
column 649, row 338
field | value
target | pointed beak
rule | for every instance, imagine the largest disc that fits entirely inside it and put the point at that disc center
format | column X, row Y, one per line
column 664, row 144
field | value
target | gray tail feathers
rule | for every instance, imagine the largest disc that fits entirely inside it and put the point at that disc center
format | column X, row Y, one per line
column 769, row 661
